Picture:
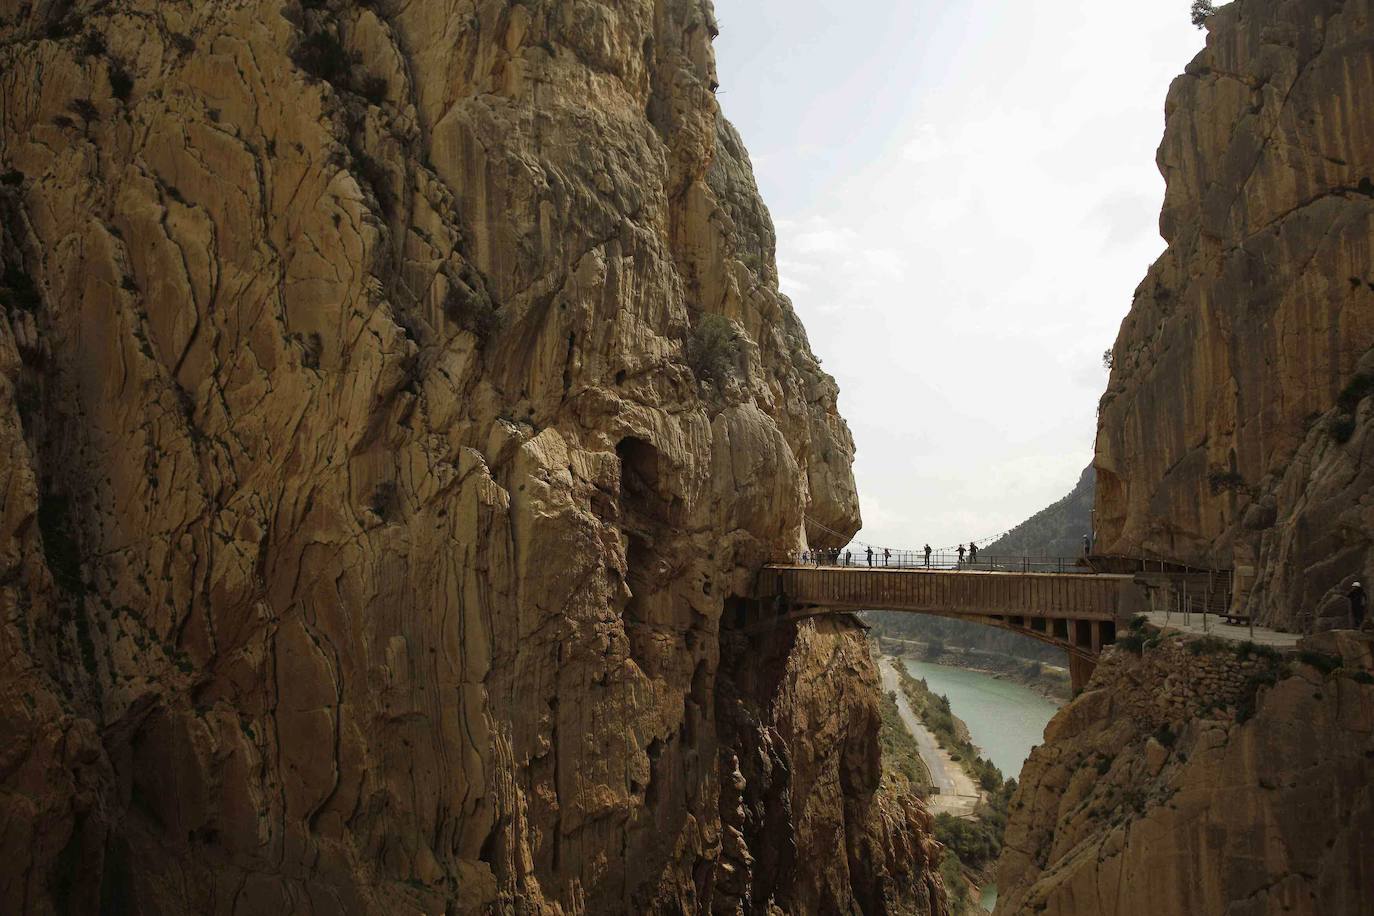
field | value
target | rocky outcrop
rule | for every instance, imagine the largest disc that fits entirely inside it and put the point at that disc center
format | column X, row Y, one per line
column 1236, row 431
column 804, row 717
column 393, row 396
column 1202, row 778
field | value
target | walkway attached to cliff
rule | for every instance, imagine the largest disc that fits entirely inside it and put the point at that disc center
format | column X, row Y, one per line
column 1195, row 624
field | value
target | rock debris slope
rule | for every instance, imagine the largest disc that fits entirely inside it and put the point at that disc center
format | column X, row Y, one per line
column 1235, row 431
column 394, row 397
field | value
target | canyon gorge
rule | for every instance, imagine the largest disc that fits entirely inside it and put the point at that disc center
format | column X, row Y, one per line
column 398, row 404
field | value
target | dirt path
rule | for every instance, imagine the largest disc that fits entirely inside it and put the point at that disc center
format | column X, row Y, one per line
column 957, row 794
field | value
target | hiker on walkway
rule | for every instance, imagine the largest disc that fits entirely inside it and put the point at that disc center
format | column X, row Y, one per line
column 848, row 557
column 870, row 558
column 887, row 555
column 1087, row 545
column 961, row 555
column 927, row 556
column 1357, row 598
column 973, row 552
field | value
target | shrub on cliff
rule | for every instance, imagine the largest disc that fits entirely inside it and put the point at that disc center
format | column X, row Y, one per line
column 714, row 349
column 322, row 56
column 468, row 306
column 1202, row 11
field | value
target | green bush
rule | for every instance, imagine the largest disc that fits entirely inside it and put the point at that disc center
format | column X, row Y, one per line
column 1207, row 645
column 373, row 88
column 469, row 307
column 1342, row 429
column 952, row 874
column 1320, row 660
column 1220, row 480
column 714, row 349
column 322, row 56
column 1247, row 649
column 1131, row 642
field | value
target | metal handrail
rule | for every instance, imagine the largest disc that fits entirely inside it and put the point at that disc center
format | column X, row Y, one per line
column 911, row 559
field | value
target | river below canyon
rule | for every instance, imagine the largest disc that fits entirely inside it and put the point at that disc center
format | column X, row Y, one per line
column 1005, row 719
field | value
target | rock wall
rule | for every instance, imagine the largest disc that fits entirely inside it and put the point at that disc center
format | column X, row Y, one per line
column 392, row 398
column 1202, row 778
column 1235, row 431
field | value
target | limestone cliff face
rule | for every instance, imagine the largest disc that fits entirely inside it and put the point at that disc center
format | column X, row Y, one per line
column 393, row 397
column 1185, row 782
column 1236, row 427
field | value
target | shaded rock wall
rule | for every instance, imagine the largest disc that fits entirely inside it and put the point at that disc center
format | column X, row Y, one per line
column 365, row 528
column 1235, row 430
column 1215, row 782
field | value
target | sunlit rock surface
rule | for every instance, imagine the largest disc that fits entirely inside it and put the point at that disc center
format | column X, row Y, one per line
column 1236, row 430
column 1202, row 780
column 366, row 531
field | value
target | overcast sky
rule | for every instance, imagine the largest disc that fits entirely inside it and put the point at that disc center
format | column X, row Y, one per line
column 965, row 196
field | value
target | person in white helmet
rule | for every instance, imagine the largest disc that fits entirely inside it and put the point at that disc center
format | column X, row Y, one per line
column 1357, row 599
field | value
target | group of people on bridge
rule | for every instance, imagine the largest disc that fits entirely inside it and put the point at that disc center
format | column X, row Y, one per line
column 882, row 556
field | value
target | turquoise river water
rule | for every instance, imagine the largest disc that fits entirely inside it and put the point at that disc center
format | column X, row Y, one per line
column 1006, row 720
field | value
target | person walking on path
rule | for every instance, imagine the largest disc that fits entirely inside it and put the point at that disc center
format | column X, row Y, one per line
column 887, row 555
column 870, row 558
column 849, row 558
column 1087, row 546
column 973, row 552
column 961, row 555
column 927, row 556
column 1357, row 598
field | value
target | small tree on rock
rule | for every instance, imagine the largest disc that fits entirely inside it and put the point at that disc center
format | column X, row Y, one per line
column 1202, row 11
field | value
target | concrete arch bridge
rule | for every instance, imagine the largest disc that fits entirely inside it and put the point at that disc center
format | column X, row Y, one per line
column 1080, row 611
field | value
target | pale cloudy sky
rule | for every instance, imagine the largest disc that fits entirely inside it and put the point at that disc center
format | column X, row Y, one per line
column 966, row 197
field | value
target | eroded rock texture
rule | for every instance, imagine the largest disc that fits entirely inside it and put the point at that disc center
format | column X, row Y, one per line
column 392, row 398
column 1203, row 780
column 1236, row 428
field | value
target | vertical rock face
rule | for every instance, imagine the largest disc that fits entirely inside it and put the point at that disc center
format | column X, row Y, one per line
column 1236, row 427
column 393, row 396
column 1202, row 779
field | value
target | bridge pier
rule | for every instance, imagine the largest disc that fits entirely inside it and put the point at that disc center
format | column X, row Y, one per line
column 1080, row 671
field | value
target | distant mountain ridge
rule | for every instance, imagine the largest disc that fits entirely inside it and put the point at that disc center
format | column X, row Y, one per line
column 1056, row 531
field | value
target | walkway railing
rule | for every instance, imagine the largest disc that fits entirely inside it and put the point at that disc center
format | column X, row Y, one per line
column 946, row 561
